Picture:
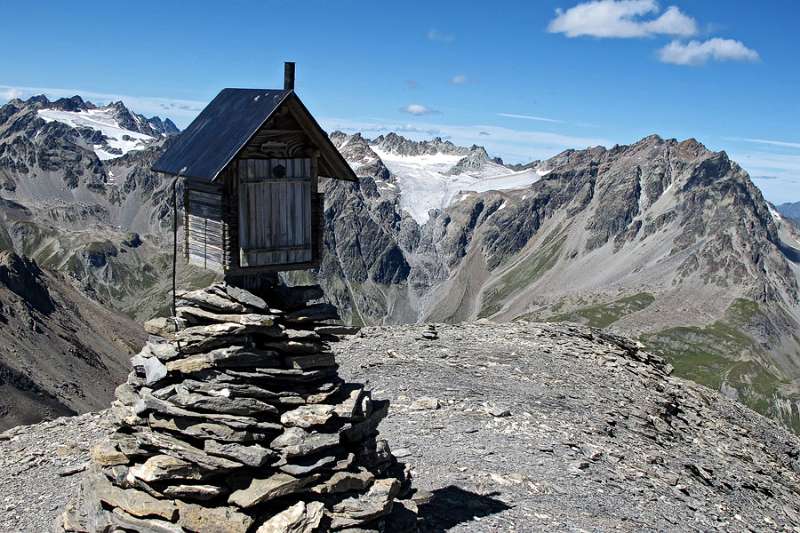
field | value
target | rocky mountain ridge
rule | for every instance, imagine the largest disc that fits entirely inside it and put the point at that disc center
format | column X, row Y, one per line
column 662, row 240
column 627, row 238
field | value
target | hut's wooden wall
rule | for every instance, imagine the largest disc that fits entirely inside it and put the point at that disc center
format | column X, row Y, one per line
column 275, row 212
column 205, row 228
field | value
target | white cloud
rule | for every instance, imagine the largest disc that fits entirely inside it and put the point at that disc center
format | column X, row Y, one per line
column 530, row 117
column 783, row 169
column 621, row 19
column 418, row 109
column 784, row 144
column 439, row 36
column 696, row 53
column 459, row 79
column 180, row 110
column 9, row 93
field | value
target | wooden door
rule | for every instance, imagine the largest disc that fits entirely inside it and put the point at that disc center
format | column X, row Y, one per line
column 274, row 212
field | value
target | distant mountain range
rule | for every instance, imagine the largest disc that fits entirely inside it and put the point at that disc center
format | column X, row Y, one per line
column 662, row 240
column 790, row 210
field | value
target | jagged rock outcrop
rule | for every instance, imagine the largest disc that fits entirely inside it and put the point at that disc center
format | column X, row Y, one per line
column 238, row 421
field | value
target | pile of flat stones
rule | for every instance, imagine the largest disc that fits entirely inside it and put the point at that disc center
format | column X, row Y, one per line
column 235, row 419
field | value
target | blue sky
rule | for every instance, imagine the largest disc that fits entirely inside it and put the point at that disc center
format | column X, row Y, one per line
column 525, row 79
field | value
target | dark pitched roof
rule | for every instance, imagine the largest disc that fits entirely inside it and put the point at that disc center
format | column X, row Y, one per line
column 226, row 125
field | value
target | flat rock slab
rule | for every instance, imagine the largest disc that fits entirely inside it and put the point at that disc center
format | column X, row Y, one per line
column 299, row 518
column 253, row 455
column 228, row 357
column 196, row 316
column 212, row 519
column 194, row 492
column 296, row 442
column 165, row 467
column 212, row 302
column 132, row 501
column 308, row 416
column 259, row 491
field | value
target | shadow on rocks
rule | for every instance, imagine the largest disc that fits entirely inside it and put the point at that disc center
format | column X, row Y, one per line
column 450, row 506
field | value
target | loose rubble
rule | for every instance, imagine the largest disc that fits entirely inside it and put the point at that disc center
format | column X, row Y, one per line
column 235, row 419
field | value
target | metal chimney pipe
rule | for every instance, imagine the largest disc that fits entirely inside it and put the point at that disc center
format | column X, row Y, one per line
column 288, row 76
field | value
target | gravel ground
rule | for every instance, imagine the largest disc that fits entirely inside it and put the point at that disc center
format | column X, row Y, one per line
column 514, row 427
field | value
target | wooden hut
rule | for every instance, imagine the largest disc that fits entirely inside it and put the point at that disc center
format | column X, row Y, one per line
column 250, row 162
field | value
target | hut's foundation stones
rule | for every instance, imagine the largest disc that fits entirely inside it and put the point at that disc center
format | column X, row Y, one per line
column 234, row 419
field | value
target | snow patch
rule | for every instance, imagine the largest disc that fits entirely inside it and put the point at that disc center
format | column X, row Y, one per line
column 424, row 184
column 102, row 120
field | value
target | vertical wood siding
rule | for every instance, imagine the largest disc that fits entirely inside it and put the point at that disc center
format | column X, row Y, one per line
column 204, row 229
column 275, row 212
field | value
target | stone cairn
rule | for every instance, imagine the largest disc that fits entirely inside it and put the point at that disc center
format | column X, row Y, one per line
column 234, row 419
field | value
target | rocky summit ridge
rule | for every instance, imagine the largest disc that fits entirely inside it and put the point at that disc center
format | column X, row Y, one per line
column 511, row 427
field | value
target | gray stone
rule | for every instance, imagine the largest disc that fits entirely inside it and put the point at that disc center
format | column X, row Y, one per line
column 256, row 491
column 498, row 412
column 195, row 316
column 302, row 466
column 290, row 376
column 163, row 351
column 153, row 369
column 299, row 518
column 132, row 501
column 352, row 408
column 425, row 403
column 126, row 394
column 308, row 416
column 296, row 442
column 198, row 339
column 151, row 403
column 212, row 519
column 213, row 385
column 221, row 404
column 375, row 503
column 296, row 347
column 227, row 357
column 193, row 492
column 178, row 448
column 165, row 467
column 212, row 302
column 345, row 482
column 204, row 430
column 128, row 522
column 254, row 455
column 105, row 453
column 244, row 297
column 161, row 326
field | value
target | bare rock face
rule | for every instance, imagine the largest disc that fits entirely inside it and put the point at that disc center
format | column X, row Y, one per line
column 242, row 423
